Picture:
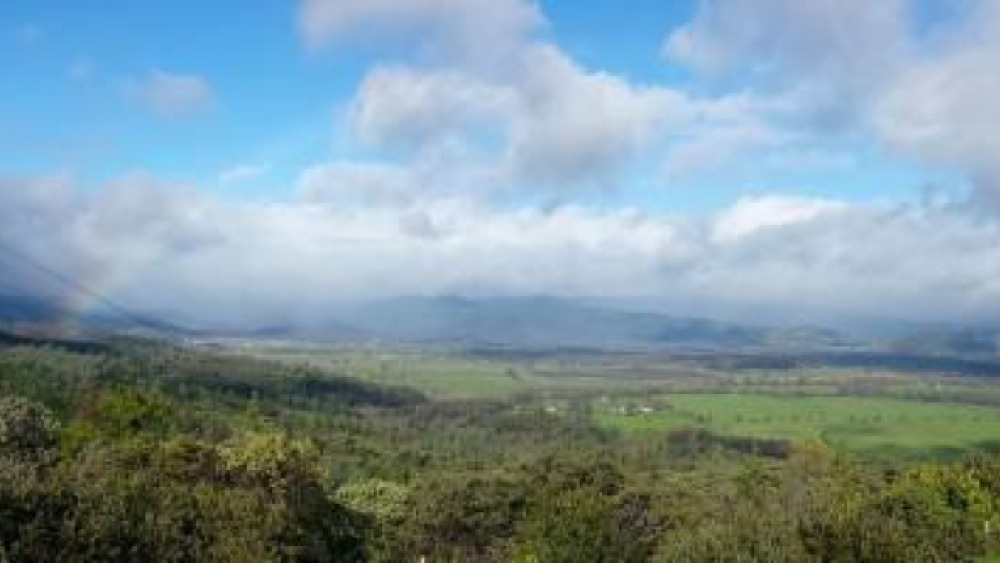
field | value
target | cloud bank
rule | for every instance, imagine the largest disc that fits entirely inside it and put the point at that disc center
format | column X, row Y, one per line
column 165, row 248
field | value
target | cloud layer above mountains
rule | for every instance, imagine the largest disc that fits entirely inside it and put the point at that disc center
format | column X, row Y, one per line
column 168, row 249
column 473, row 121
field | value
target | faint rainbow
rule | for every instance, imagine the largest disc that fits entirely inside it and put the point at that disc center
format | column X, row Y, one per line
column 90, row 294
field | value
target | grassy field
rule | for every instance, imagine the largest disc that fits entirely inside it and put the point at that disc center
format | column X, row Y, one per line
column 874, row 413
column 445, row 375
column 859, row 424
column 439, row 375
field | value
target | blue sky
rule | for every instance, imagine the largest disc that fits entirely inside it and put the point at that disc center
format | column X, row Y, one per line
column 66, row 101
column 702, row 150
column 264, row 87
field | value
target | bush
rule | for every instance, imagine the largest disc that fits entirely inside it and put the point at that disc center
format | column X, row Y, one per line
column 28, row 431
column 578, row 511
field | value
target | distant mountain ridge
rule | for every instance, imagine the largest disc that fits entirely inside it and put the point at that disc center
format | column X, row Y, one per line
column 538, row 321
column 20, row 308
column 552, row 321
column 527, row 322
column 39, row 313
column 944, row 341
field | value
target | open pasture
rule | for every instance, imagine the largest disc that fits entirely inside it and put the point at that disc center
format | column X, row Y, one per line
column 869, row 425
column 874, row 413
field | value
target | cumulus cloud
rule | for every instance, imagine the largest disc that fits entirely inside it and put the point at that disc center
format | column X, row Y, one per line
column 943, row 108
column 923, row 92
column 577, row 127
column 411, row 108
column 833, row 52
column 803, row 73
column 173, row 96
column 750, row 215
column 538, row 119
column 484, row 85
column 552, row 124
column 546, row 123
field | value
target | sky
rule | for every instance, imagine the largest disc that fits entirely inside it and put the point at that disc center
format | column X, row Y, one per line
column 235, row 163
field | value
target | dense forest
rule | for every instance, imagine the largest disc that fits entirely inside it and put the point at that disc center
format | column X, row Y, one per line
column 135, row 451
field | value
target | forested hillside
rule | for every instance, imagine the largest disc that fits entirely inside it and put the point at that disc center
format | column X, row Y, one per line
column 148, row 452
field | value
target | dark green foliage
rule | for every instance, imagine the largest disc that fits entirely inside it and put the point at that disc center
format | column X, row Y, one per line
column 464, row 518
column 142, row 476
column 698, row 440
column 27, row 430
column 257, row 499
column 151, row 453
column 580, row 512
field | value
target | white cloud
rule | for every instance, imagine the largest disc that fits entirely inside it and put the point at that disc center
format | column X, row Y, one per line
column 906, row 262
column 163, row 247
column 159, row 246
column 548, row 123
column 173, row 96
column 344, row 183
column 484, row 87
column 436, row 175
column 95, row 238
column 711, row 146
column 843, row 45
column 406, row 107
column 577, row 127
column 943, row 109
column 923, row 90
column 813, row 68
column 750, row 215
column 535, row 118
column 476, row 31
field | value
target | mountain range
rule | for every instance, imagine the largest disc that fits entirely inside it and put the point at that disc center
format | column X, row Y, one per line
column 528, row 322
